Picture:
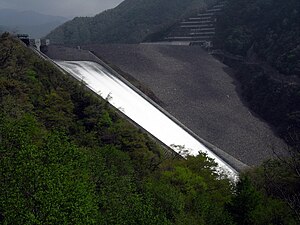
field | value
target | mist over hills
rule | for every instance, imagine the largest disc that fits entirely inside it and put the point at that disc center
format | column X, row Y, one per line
column 33, row 23
column 3, row 29
column 129, row 22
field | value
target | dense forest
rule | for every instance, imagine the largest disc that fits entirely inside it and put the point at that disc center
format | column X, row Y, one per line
column 130, row 22
column 67, row 157
column 265, row 35
column 269, row 28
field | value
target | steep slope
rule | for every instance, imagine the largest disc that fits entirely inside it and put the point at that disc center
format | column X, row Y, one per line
column 54, row 135
column 197, row 89
column 266, row 34
column 196, row 29
column 130, row 22
column 268, row 28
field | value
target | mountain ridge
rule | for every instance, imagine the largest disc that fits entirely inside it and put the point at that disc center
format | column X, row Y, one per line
column 129, row 22
column 33, row 23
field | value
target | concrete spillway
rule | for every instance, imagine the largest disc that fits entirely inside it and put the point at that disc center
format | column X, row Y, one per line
column 137, row 108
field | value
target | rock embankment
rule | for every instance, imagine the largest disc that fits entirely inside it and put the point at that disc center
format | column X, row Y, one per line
column 199, row 91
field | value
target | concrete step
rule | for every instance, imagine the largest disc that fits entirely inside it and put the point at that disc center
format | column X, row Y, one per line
column 214, row 10
column 190, row 38
column 196, row 22
column 197, row 29
column 202, row 33
column 206, row 14
column 203, row 29
column 191, row 34
column 197, row 25
column 201, row 18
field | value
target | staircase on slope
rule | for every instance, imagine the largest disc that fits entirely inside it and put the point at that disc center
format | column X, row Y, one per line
column 197, row 30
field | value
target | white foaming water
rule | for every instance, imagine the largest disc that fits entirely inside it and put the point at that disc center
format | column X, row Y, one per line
column 138, row 109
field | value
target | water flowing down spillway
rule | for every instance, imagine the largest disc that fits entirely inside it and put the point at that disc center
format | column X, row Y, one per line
column 138, row 109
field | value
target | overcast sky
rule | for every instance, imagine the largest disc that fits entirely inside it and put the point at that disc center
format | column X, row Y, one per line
column 67, row 8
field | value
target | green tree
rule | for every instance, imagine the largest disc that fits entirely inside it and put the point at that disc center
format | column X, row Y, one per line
column 43, row 178
column 251, row 206
column 118, row 198
column 190, row 191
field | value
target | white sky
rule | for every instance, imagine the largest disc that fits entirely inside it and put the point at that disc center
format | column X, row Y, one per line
column 66, row 8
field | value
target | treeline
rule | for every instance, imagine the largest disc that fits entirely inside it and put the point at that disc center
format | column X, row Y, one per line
column 266, row 34
column 66, row 157
column 130, row 22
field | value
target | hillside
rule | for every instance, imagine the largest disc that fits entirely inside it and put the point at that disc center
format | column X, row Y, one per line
column 130, row 22
column 61, row 145
column 66, row 157
column 266, row 36
column 268, row 30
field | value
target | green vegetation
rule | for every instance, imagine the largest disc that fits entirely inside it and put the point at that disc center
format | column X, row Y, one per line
column 130, row 22
column 66, row 157
column 266, row 33
column 268, row 27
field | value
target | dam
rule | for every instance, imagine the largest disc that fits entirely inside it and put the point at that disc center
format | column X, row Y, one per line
column 195, row 89
column 142, row 112
column 201, row 92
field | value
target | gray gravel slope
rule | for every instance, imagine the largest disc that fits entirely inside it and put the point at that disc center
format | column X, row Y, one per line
column 195, row 89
